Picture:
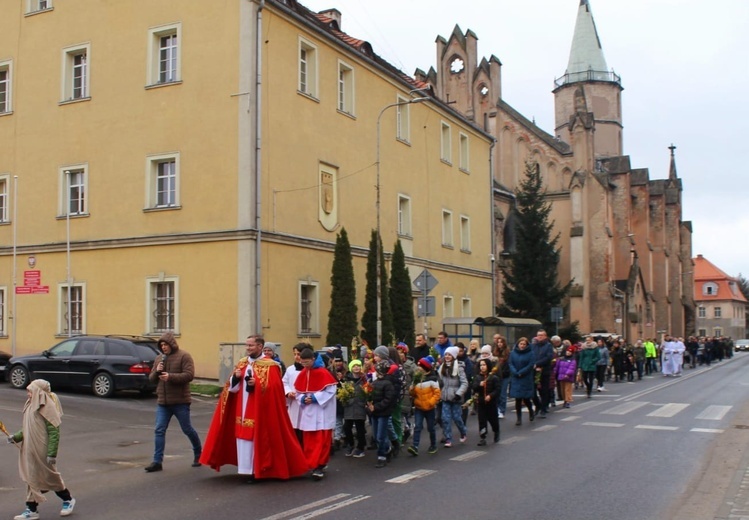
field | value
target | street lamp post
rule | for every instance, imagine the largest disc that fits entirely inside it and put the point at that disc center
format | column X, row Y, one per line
column 378, row 239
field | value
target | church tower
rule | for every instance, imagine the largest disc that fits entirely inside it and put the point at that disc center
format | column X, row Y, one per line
column 587, row 70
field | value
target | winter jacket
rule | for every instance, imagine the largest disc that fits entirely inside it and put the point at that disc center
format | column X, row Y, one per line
column 384, row 397
column 491, row 388
column 521, row 373
column 589, row 357
column 544, row 353
column 454, row 381
column 426, row 394
column 603, row 356
column 181, row 369
column 355, row 409
column 565, row 369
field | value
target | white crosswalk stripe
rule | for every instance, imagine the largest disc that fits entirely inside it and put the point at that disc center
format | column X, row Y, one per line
column 714, row 412
column 656, row 427
column 625, row 408
column 668, row 410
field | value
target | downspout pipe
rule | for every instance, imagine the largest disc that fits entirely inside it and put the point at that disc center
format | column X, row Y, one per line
column 258, row 179
column 492, row 255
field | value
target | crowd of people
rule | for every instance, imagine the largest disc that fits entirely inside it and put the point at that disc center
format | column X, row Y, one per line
column 279, row 422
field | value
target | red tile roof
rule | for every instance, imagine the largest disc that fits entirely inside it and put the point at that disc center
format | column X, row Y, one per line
column 705, row 271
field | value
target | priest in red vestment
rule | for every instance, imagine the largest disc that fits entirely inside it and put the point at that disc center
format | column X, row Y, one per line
column 250, row 427
column 316, row 391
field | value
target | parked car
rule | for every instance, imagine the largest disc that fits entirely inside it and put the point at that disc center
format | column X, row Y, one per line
column 4, row 358
column 741, row 344
column 103, row 363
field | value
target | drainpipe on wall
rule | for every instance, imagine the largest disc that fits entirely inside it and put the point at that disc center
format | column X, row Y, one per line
column 258, row 184
column 492, row 256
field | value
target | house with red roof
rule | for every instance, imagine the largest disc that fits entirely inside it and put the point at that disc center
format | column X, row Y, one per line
column 721, row 307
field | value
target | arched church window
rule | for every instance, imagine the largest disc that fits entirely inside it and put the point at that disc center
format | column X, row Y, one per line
column 483, row 90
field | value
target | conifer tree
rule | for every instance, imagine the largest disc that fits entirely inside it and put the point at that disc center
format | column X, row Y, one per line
column 369, row 318
column 342, row 316
column 531, row 286
column 401, row 298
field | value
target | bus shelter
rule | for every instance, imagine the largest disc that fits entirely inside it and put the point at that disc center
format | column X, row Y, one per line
column 484, row 329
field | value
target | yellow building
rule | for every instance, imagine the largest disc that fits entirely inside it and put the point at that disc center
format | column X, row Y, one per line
column 128, row 138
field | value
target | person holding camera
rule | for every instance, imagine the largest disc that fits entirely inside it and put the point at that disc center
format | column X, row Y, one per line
column 174, row 371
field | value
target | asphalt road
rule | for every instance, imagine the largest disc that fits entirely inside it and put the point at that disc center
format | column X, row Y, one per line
column 638, row 451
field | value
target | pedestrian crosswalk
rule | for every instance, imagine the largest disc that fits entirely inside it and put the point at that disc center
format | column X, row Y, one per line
column 709, row 414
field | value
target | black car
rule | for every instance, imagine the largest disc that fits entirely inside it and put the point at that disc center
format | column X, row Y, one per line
column 103, row 363
column 4, row 358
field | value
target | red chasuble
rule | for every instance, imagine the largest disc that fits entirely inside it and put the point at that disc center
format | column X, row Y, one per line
column 277, row 450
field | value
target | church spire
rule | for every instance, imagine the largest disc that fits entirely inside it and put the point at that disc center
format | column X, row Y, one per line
column 586, row 55
column 672, row 169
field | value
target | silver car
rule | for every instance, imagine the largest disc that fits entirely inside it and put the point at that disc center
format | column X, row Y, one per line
column 741, row 344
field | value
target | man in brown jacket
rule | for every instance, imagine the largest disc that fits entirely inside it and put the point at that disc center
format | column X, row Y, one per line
column 174, row 371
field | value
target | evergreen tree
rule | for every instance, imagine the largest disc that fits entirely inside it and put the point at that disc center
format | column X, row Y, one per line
column 369, row 318
column 530, row 287
column 401, row 298
column 743, row 285
column 342, row 316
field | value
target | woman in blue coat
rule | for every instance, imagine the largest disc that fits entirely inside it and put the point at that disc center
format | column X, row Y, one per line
column 522, row 362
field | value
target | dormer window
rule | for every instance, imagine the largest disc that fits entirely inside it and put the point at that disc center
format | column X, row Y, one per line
column 710, row 289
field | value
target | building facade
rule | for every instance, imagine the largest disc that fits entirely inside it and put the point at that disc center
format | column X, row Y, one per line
column 182, row 166
column 623, row 242
column 721, row 306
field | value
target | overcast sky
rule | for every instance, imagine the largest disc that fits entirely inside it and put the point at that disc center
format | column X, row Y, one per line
column 684, row 67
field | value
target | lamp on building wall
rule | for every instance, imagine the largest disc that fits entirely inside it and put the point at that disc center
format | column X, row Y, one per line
column 378, row 238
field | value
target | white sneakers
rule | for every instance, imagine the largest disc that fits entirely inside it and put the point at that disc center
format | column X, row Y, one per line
column 67, row 507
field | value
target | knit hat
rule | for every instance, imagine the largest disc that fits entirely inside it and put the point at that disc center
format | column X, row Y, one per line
column 486, row 351
column 402, row 346
column 453, row 351
column 382, row 367
column 353, row 364
column 271, row 346
column 430, row 358
column 382, row 352
column 425, row 364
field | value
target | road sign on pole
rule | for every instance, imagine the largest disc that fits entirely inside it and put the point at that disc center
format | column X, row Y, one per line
column 425, row 306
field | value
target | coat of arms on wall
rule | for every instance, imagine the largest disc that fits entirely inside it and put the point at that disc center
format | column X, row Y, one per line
column 328, row 194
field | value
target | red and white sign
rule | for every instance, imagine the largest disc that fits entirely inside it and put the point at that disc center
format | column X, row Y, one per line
column 32, row 283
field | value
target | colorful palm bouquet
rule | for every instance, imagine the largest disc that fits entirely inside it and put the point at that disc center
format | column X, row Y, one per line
column 346, row 393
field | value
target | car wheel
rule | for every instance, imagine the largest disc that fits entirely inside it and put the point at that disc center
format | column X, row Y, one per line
column 103, row 385
column 19, row 377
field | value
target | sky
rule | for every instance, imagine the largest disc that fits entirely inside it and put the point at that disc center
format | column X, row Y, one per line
column 684, row 68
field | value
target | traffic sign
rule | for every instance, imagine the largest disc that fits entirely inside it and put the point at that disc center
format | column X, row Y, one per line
column 425, row 306
column 425, row 282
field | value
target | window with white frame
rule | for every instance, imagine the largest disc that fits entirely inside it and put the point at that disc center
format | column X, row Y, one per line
column 702, row 332
column 717, row 312
column 345, row 88
column 72, row 309
column 404, row 216
column 447, row 228
column 309, row 319
column 75, row 71
column 445, row 140
column 5, row 87
column 162, row 305
column 465, row 308
column 34, row 6
column 465, row 233
column 4, row 198
column 464, row 163
column 447, row 307
column 163, row 173
column 710, row 288
column 403, row 120
column 164, row 54
column 74, row 192
column 702, row 312
column 3, row 305
column 307, row 68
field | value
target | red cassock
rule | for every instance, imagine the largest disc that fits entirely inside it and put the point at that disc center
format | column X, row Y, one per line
column 277, row 451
